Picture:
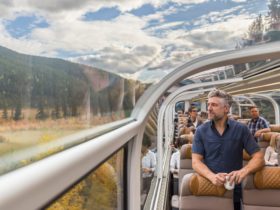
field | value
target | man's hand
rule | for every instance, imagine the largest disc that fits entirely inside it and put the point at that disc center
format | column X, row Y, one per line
column 258, row 133
column 238, row 176
column 146, row 170
column 218, row 179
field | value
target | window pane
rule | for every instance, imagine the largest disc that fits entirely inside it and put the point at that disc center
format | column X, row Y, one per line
column 45, row 99
column 148, row 156
column 266, row 109
column 101, row 189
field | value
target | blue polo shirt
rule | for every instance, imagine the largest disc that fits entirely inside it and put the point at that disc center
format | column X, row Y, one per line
column 224, row 153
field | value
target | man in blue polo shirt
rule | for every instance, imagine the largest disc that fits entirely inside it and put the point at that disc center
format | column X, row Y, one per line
column 257, row 124
column 218, row 146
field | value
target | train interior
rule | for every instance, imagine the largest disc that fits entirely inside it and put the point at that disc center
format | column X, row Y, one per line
column 105, row 166
column 97, row 101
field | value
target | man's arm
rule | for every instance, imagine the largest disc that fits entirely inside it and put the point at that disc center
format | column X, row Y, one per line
column 255, row 164
column 259, row 132
column 197, row 164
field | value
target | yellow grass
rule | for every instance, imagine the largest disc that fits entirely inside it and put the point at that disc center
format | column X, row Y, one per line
column 15, row 135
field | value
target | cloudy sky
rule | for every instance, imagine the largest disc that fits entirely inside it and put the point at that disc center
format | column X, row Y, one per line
column 138, row 38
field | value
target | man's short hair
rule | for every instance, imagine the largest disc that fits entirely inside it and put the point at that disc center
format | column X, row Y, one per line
column 253, row 107
column 146, row 141
column 191, row 108
column 221, row 94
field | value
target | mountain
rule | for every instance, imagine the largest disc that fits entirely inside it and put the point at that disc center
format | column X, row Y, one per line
column 58, row 88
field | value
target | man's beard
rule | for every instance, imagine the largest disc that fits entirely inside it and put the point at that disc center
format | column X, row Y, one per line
column 215, row 117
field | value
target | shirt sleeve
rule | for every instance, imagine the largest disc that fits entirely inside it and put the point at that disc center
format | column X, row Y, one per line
column 249, row 143
column 265, row 124
column 198, row 146
column 172, row 162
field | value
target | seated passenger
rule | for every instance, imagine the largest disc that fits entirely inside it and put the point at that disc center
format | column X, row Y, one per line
column 271, row 154
column 148, row 163
column 203, row 116
column 174, row 167
column 194, row 120
column 184, row 130
column 217, row 150
column 257, row 124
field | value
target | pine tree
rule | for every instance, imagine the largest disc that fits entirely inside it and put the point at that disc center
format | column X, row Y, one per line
column 274, row 13
column 17, row 115
column 256, row 29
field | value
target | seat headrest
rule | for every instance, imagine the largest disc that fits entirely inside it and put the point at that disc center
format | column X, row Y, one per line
column 201, row 186
column 187, row 138
column 267, row 136
column 186, row 151
column 275, row 128
column 267, row 178
column 185, row 130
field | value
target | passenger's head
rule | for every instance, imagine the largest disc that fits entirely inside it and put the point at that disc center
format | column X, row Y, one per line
column 181, row 141
column 254, row 111
column 146, row 143
column 219, row 103
column 192, row 112
column 203, row 115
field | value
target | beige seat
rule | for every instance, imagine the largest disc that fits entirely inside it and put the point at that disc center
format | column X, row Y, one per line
column 188, row 138
column 198, row 193
column 278, row 147
column 185, row 161
column 265, row 139
column 185, row 168
column 275, row 128
column 261, row 191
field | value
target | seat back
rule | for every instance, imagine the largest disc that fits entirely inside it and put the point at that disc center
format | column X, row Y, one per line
column 185, row 161
column 187, row 138
column 261, row 190
column 278, row 147
column 265, row 139
column 275, row 128
column 198, row 192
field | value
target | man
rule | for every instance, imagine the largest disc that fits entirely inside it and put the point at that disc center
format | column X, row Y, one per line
column 174, row 167
column 257, row 124
column 193, row 121
column 218, row 146
column 148, row 163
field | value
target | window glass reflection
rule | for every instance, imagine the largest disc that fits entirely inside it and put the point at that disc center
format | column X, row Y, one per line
column 148, row 154
column 266, row 109
column 101, row 189
column 43, row 99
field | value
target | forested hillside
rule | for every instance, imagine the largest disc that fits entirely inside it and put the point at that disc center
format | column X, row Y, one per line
column 56, row 88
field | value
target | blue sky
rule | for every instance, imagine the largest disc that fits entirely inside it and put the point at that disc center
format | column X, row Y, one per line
column 141, row 39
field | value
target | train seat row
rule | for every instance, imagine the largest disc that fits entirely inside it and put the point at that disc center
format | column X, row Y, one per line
column 186, row 171
column 261, row 191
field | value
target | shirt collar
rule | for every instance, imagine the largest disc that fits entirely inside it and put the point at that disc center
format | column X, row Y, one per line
column 228, row 123
column 255, row 120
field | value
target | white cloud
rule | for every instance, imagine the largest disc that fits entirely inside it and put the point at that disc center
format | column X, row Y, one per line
column 149, row 76
column 123, row 60
column 125, row 44
column 190, row 1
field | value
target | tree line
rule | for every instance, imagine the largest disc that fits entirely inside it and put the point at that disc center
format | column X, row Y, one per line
column 56, row 88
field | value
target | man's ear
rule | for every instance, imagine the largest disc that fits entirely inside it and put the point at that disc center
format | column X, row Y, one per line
column 227, row 108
